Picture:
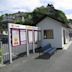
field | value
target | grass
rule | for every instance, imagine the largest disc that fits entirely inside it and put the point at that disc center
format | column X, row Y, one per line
column 0, row 60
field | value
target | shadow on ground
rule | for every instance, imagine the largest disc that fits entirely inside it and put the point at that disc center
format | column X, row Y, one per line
column 43, row 56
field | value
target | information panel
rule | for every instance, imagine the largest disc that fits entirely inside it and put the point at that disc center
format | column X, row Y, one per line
column 36, row 36
column 15, row 37
column 30, row 35
column 23, row 36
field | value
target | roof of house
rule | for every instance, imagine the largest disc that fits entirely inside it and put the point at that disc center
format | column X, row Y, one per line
column 65, row 25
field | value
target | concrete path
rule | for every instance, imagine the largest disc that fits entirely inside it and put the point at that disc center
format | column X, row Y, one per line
column 61, row 61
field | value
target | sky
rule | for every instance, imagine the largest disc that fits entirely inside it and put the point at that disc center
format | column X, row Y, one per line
column 12, row 6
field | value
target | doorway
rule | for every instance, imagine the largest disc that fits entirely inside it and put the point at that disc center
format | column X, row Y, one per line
column 64, row 37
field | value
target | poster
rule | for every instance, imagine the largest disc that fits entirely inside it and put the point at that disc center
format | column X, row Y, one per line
column 30, row 35
column 23, row 36
column 36, row 36
column 15, row 37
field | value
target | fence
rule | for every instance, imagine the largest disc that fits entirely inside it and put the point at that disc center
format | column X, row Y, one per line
column 1, row 53
column 5, row 52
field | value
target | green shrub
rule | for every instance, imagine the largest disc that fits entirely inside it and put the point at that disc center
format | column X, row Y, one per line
column 0, row 60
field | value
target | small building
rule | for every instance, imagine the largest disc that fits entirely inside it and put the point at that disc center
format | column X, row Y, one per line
column 54, row 32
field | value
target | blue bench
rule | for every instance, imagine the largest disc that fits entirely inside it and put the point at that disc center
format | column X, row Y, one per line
column 48, row 49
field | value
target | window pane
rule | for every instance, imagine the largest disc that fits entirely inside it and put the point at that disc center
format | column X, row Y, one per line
column 48, row 34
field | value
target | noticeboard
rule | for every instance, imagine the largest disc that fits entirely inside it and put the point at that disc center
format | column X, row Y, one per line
column 15, row 37
column 23, row 36
column 30, row 36
column 36, row 36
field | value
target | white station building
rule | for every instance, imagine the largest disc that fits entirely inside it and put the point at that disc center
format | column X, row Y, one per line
column 54, row 32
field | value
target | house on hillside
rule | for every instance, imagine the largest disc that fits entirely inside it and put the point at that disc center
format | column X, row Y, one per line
column 54, row 32
column 16, row 17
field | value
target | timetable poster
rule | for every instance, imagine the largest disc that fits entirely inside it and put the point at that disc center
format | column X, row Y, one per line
column 15, row 37
column 23, row 36
column 36, row 36
column 30, row 35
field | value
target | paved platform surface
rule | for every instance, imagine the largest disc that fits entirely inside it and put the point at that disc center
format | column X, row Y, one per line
column 61, row 61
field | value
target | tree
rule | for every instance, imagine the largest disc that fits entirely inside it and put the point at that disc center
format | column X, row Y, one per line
column 61, row 16
column 50, row 11
column 70, row 21
column 1, row 18
column 42, row 10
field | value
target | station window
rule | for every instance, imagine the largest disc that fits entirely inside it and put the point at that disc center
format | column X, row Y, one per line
column 48, row 34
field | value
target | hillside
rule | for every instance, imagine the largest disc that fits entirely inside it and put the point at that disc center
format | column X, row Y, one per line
column 33, row 17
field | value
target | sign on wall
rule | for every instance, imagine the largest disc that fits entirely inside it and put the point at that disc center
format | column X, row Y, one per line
column 15, row 37
column 23, row 36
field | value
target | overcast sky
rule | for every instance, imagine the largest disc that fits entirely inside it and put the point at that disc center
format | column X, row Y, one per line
column 12, row 6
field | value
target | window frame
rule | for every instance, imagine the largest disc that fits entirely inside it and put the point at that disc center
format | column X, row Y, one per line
column 48, row 34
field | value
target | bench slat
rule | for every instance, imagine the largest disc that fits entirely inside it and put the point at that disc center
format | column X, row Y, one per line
column 52, row 51
column 48, row 49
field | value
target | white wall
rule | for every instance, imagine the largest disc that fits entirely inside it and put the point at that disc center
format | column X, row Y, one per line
column 67, row 35
column 49, row 23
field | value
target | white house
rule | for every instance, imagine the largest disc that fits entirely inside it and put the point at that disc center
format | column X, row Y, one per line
column 54, row 32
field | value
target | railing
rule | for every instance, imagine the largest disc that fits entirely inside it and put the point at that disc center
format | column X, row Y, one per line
column 1, row 53
column 5, row 52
